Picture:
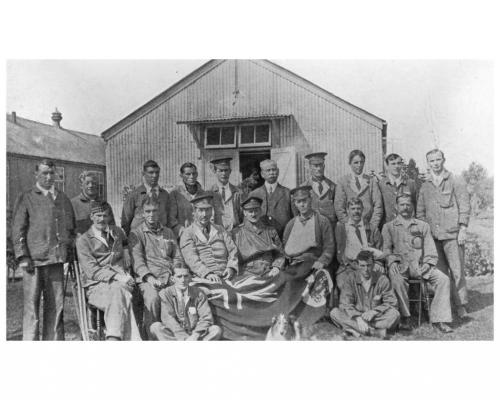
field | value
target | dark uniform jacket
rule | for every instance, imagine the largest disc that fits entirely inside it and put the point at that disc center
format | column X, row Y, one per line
column 390, row 193
column 81, row 207
column 218, row 203
column 324, row 203
column 43, row 229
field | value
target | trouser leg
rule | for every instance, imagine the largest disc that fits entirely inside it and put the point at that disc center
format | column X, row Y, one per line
column 214, row 332
column 451, row 262
column 159, row 331
column 441, row 306
column 388, row 319
column 400, row 286
column 340, row 318
column 31, row 304
column 53, row 301
column 152, row 305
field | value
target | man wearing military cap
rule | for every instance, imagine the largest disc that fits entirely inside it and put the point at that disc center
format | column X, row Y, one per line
column 107, row 276
column 227, row 197
column 260, row 248
column 309, row 234
column 208, row 249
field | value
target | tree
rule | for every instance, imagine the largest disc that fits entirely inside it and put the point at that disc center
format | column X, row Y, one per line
column 475, row 174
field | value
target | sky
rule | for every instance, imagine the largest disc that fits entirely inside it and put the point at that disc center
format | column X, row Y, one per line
column 427, row 104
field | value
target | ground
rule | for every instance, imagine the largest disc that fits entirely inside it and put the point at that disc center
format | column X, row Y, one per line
column 479, row 326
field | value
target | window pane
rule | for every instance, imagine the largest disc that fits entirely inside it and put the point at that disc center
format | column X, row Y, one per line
column 227, row 135
column 247, row 134
column 213, row 136
column 262, row 134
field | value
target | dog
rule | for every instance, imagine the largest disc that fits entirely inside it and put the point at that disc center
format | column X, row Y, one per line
column 284, row 327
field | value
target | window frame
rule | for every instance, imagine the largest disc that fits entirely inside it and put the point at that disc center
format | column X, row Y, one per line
column 254, row 143
column 221, row 146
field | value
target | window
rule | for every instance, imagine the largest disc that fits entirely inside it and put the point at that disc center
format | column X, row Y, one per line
column 255, row 135
column 59, row 181
column 220, row 137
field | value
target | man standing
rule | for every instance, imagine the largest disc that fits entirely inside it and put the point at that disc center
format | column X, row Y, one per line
column 276, row 205
column 444, row 204
column 363, row 186
column 43, row 234
column 181, row 209
column 132, row 215
column 309, row 235
column 185, row 312
column 208, row 249
column 227, row 197
column 368, row 305
column 411, row 253
column 351, row 238
column 393, row 185
column 259, row 246
column 81, row 204
column 104, row 259
column 154, row 252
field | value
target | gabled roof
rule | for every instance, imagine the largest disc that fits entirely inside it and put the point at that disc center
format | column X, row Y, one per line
column 36, row 139
column 206, row 68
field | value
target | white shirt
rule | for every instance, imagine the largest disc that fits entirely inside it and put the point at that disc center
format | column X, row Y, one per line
column 366, row 284
column 149, row 189
column 395, row 181
column 437, row 179
column 353, row 246
column 227, row 190
column 271, row 188
column 101, row 235
column 45, row 192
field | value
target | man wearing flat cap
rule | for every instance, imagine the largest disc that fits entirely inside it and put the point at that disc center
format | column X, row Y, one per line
column 276, row 205
column 208, row 249
column 309, row 235
column 227, row 197
column 106, row 273
column 260, row 248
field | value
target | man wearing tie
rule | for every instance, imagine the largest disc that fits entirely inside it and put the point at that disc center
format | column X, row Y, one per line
column 227, row 197
column 276, row 203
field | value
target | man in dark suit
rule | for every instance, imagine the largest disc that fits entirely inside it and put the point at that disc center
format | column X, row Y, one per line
column 276, row 204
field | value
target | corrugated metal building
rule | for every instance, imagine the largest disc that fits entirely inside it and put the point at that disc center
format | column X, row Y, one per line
column 29, row 141
column 245, row 109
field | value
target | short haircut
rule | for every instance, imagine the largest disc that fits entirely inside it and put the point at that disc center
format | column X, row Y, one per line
column 150, row 201
column 180, row 266
column 86, row 174
column 364, row 255
column 402, row 196
column 46, row 162
column 355, row 201
column 355, row 153
column 150, row 164
column 268, row 162
column 433, row 151
column 391, row 157
column 188, row 165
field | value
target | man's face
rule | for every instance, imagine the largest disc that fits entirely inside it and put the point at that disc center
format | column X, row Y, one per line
column 189, row 176
column 90, row 186
column 100, row 219
column 355, row 211
column 394, row 167
column 365, row 268
column 222, row 172
column 270, row 173
column 182, row 277
column 357, row 164
column 317, row 169
column 405, row 208
column 202, row 215
column 151, row 176
column 303, row 205
column 151, row 214
column 45, row 176
column 252, row 215
column 435, row 161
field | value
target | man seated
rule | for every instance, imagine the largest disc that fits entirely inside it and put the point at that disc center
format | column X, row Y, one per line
column 185, row 312
column 105, row 263
column 308, row 236
column 354, row 236
column 154, row 251
column 411, row 253
column 260, row 248
column 208, row 250
column 368, row 305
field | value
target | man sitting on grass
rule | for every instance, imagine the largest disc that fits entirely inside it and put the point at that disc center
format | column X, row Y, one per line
column 368, row 305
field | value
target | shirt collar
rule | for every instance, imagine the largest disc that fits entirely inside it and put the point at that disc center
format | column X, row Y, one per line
column 399, row 220
column 354, row 224
column 395, row 181
column 98, row 233
column 150, row 188
column 271, row 186
column 52, row 190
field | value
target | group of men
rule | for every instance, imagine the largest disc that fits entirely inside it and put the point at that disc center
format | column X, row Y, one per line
column 363, row 230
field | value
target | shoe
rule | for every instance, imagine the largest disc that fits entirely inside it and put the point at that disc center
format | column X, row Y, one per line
column 378, row 333
column 461, row 312
column 405, row 324
column 443, row 327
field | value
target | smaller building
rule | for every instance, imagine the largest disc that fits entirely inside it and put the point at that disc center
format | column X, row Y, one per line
column 29, row 141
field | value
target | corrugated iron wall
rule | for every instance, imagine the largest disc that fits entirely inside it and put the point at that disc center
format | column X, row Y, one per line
column 243, row 88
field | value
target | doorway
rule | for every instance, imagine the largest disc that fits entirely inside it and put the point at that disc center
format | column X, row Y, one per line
column 250, row 168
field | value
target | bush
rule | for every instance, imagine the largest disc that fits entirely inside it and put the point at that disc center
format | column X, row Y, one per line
column 478, row 260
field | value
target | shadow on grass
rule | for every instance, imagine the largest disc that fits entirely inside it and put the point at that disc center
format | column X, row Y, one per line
column 478, row 300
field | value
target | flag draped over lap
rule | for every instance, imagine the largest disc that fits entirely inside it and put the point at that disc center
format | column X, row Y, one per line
column 244, row 307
